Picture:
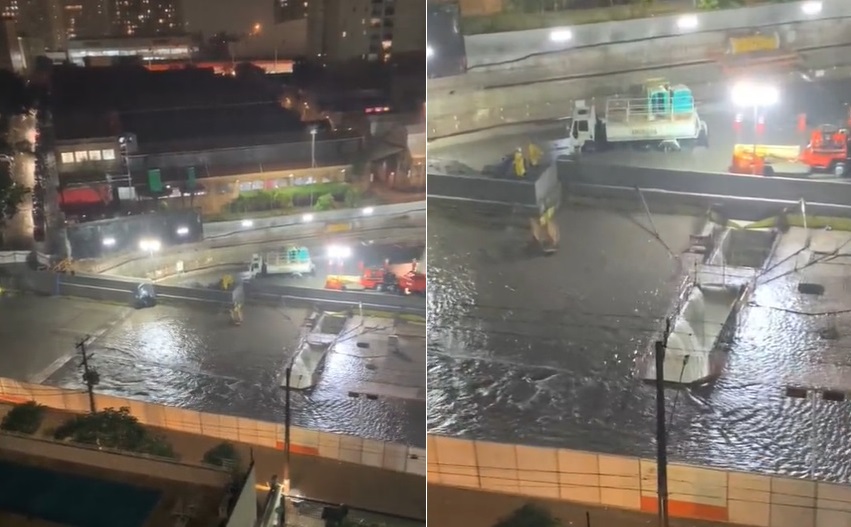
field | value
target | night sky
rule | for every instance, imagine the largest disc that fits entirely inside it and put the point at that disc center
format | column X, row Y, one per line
column 234, row 16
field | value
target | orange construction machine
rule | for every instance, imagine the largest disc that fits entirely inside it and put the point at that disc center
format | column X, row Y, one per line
column 826, row 152
column 381, row 279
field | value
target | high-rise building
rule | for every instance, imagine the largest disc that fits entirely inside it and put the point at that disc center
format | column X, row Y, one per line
column 38, row 19
column 368, row 29
column 287, row 10
column 86, row 18
column 145, row 18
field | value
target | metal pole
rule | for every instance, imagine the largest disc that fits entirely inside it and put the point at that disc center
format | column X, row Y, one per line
column 661, row 436
column 287, row 422
column 814, row 435
column 313, row 150
column 755, row 134
column 87, row 375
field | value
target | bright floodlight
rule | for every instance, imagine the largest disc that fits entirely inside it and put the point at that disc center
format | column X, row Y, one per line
column 339, row 252
column 307, row 218
column 247, row 223
column 182, row 231
column 429, row 52
column 313, row 131
column 108, row 242
column 751, row 94
column 687, row 22
column 561, row 35
column 368, row 210
column 150, row 245
column 811, row 8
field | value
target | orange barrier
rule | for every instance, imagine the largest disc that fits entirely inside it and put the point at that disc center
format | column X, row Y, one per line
column 630, row 483
column 351, row 449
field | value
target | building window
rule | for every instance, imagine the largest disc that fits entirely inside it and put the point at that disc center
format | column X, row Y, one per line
column 257, row 185
column 108, row 154
column 94, row 155
column 245, row 186
column 67, row 157
column 81, row 156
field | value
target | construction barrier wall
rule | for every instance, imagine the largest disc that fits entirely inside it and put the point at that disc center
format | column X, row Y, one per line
column 487, row 50
column 350, row 449
column 630, row 483
column 544, row 191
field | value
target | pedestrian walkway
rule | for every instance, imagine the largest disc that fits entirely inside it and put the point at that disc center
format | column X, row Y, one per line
column 450, row 507
column 318, row 478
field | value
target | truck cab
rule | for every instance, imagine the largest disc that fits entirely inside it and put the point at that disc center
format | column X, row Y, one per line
column 582, row 128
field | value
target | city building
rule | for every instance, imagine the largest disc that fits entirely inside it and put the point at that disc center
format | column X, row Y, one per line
column 145, row 18
column 86, row 18
column 105, row 51
column 287, row 10
column 340, row 30
column 11, row 54
column 38, row 19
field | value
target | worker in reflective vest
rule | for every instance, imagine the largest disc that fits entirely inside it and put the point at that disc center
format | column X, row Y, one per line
column 519, row 163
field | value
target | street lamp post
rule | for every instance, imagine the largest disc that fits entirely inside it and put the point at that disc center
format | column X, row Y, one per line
column 313, row 148
column 755, row 96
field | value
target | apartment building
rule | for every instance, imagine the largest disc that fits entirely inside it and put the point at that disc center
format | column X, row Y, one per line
column 37, row 19
column 340, row 30
column 289, row 10
column 145, row 18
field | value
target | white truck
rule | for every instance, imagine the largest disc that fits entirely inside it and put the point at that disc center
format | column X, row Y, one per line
column 291, row 260
column 664, row 117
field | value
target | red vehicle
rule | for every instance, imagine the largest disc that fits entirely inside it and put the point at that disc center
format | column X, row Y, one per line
column 412, row 283
column 827, row 150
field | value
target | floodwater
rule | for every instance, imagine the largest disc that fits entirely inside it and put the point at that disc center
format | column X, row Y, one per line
column 194, row 358
column 541, row 350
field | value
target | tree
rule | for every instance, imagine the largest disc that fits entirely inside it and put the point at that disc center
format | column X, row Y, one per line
column 352, row 198
column 222, row 455
column 18, row 98
column 529, row 516
column 111, row 428
column 24, row 418
column 324, row 202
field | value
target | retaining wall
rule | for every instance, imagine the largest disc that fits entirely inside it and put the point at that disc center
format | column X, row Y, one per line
column 487, row 49
column 544, row 191
column 350, row 449
column 630, row 483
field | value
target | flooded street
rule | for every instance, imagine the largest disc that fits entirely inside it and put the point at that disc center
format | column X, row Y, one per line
column 194, row 358
column 541, row 350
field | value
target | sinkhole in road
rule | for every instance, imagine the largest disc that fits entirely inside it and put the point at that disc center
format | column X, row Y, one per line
column 748, row 248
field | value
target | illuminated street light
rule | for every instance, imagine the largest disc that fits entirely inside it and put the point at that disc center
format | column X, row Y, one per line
column 182, row 231
column 307, row 218
column 339, row 252
column 150, row 245
column 687, row 22
column 313, row 148
column 811, row 8
column 756, row 96
column 367, row 211
column 109, row 242
column 247, row 223
column 561, row 35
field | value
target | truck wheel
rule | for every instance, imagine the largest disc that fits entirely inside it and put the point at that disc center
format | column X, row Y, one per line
column 588, row 147
column 839, row 170
column 264, row 270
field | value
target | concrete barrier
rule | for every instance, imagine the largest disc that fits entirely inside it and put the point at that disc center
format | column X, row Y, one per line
column 351, row 449
column 576, row 176
column 220, row 229
column 489, row 50
column 543, row 192
column 127, row 462
column 630, row 483
column 331, row 298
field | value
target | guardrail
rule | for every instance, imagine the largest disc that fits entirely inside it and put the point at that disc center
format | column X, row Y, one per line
column 349, row 449
column 833, row 193
column 630, row 483
column 220, row 229
column 121, row 289
column 12, row 257
column 500, row 49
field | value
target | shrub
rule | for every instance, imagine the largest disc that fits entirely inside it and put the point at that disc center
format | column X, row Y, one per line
column 324, row 202
column 116, row 429
column 24, row 418
column 352, row 198
column 222, row 455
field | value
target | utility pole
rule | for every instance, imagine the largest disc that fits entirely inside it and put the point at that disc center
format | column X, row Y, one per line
column 287, row 421
column 91, row 378
column 661, row 429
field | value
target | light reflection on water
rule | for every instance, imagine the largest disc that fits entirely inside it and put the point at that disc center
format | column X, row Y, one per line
column 177, row 358
column 564, row 378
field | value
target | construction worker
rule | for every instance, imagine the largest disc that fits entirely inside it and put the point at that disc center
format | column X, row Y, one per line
column 236, row 314
column 535, row 154
column 519, row 163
